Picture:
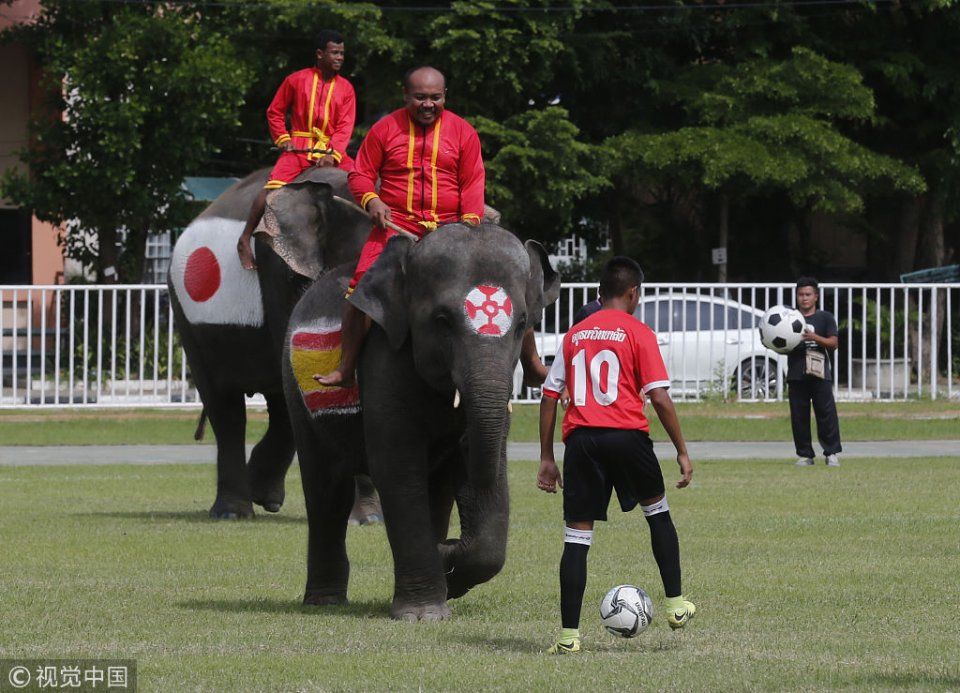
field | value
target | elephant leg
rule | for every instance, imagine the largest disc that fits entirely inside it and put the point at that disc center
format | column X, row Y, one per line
column 228, row 418
column 328, row 488
column 442, row 487
column 328, row 568
column 366, row 508
column 420, row 591
column 271, row 457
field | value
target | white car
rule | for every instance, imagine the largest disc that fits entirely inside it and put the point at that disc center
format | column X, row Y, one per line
column 708, row 343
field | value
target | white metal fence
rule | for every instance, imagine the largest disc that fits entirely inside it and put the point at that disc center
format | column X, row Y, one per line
column 89, row 346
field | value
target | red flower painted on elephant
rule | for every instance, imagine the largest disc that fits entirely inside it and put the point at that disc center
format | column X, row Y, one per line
column 489, row 310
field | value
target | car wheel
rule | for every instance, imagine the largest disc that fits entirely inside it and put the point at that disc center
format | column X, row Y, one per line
column 757, row 378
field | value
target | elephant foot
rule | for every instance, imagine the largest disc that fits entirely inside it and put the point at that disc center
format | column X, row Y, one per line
column 324, row 598
column 366, row 509
column 231, row 510
column 419, row 612
column 465, row 571
column 361, row 515
column 268, row 494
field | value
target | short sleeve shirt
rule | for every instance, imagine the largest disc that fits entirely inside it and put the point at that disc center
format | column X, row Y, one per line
column 825, row 325
column 586, row 310
column 608, row 362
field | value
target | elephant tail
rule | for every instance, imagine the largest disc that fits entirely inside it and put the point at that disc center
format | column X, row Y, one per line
column 201, row 424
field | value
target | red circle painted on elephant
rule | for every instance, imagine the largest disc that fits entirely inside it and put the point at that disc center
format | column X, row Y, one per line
column 201, row 277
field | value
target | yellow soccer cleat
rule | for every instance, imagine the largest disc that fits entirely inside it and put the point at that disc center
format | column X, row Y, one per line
column 561, row 648
column 678, row 618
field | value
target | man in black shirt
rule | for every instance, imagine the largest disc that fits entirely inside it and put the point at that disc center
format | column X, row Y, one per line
column 810, row 379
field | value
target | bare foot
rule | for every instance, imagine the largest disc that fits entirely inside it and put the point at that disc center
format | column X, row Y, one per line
column 246, row 254
column 334, row 379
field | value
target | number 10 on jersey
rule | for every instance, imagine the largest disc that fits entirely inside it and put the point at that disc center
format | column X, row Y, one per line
column 604, row 390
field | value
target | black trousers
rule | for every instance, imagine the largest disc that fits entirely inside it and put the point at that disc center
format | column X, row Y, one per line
column 820, row 393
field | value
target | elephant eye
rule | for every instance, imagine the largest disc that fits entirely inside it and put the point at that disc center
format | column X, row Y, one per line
column 521, row 324
column 442, row 318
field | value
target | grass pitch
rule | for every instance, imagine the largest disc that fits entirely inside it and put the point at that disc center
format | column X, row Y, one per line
column 912, row 420
column 804, row 578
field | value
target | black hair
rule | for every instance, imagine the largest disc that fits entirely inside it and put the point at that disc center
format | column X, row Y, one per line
column 409, row 73
column 808, row 281
column 325, row 36
column 619, row 275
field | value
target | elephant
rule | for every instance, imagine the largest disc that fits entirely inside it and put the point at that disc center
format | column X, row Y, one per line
column 448, row 315
column 232, row 321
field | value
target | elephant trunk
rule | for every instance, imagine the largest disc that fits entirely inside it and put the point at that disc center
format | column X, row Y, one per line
column 483, row 501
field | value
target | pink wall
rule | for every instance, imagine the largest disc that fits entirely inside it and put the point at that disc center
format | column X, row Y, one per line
column 47, row 257
column 19, row 11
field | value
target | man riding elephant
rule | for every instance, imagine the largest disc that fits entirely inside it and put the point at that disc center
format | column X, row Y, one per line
column 322, row 109
column 430, row 168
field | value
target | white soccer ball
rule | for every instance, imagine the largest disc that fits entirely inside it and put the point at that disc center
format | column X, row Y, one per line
column 626, row 611
column 781, row 329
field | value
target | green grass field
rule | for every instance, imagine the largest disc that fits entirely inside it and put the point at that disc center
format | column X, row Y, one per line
column 807, row 579
column 914, row 420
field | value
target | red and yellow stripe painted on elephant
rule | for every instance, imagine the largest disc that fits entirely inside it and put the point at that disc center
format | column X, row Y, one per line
column 315, row 351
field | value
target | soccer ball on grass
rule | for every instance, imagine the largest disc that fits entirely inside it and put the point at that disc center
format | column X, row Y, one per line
column 626, row 611
column 781, row 329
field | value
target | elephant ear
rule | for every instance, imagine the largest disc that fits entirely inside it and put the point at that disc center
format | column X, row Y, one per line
column 300, row 208
column 543, row 285
column 308, row 227
column 381, row 293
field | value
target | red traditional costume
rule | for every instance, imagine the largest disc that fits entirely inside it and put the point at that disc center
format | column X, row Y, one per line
column 321, row 119
column 429, row 175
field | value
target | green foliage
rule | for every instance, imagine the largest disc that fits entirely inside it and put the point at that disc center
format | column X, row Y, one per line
column 499, row 61
column 537, row 169
column 765, row 127
column 145, row 93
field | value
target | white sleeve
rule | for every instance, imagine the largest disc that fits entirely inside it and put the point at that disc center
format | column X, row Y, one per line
column 557, row 377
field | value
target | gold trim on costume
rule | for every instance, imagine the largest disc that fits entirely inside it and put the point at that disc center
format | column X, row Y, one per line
column 273, row 184
column 433, row 169
column 367, row 197
column 410, row 149
column 285, row 137
column 313, row 98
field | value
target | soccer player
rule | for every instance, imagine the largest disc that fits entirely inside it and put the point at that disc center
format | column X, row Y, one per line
column 611, row 364
column 322, row 106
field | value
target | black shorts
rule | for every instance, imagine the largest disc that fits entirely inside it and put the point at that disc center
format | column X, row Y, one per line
column 597, row 460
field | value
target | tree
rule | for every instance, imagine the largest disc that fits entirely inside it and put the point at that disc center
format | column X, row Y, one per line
column 144, row 91
column 537, row 169
column 762, row 127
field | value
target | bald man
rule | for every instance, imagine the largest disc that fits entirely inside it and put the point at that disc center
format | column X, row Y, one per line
column 431, row 173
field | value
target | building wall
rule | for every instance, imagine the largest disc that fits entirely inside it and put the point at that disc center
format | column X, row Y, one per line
column 18, row 95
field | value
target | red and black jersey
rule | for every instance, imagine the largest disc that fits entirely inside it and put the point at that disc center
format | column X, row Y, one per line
column 608, row 362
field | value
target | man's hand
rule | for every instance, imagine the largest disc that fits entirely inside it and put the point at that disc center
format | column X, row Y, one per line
column 379, row 212
column 686, row 470
column 287, row 146
column 548, row 476
column 809, row 329
column 326, row 161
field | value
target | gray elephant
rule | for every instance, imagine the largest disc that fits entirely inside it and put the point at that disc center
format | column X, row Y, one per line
column 449, row 314
column 232, row 321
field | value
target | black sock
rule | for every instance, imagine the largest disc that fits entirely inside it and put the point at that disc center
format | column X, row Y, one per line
column 666, row 549
column 573, row 581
